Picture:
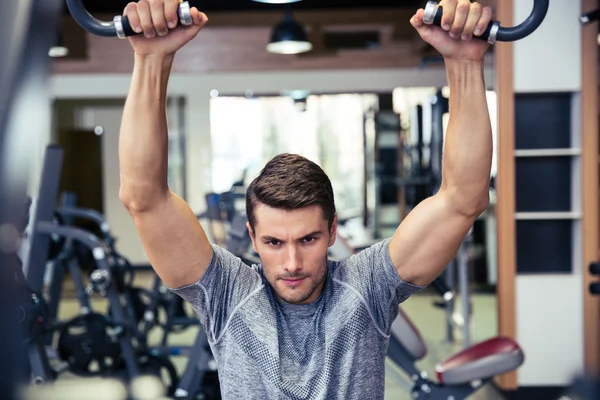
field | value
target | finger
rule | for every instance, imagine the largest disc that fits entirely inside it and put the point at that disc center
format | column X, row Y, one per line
column 474, row 15
column 486, row 16
column 132, row 15
column 417, row 19
column 171, row 13
column 199, row 19
column 143, row 9
column 157, row 10
column 449, row 7
column 460, row 18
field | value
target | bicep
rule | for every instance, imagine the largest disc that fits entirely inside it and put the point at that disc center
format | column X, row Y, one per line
column 174, row 241
column 428, row 239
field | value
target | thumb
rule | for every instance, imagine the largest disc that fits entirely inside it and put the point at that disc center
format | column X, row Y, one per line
column 199, row 19
column 417, row 22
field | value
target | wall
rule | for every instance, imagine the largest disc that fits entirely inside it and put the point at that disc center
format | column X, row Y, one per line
column 554, row 49
column 540, row 202
column 235, row 42
column 196, row 90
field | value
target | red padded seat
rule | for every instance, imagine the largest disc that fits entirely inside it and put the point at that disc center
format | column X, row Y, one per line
column 483, row 360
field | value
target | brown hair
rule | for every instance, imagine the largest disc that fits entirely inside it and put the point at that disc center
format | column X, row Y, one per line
column 290, row 182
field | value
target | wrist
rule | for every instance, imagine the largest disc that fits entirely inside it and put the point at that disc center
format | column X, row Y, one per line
column 464, row 64
column 151, row 75
column 464, row 70
column 154, row 61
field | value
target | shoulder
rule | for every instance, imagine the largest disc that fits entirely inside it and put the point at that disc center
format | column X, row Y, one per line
column 377, row 252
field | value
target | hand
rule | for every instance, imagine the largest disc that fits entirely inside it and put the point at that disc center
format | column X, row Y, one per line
column 460, row 22
column 154, row 18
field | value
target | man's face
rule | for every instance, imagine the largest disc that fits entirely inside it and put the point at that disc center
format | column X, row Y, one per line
column 293, row 250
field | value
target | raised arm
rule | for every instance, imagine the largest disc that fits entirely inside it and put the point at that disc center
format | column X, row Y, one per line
column 429, row 237
column 172, row 236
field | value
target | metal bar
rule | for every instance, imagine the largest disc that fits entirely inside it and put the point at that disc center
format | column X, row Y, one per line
column 46, row 204
column 449, row 274
column 463, row 283
column 197, row 365
column 80, row 293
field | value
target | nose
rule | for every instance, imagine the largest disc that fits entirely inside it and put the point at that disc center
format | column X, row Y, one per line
column 293, row 262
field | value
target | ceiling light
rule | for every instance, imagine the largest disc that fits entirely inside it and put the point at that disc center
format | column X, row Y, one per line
column 289, row 37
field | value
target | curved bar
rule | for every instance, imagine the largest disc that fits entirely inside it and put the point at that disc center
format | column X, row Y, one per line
column 495, row 32
column 86, row 213
column 88, row 22
column 67, row 232
column 119, row 26
column 527, row 27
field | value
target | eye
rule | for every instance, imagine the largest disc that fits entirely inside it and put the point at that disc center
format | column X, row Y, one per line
column 309, row 239
column 274, row 242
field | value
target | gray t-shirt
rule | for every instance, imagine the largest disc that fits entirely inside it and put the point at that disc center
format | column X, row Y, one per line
column 333, row 348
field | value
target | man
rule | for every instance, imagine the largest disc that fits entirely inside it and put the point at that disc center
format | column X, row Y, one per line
column 298, row 326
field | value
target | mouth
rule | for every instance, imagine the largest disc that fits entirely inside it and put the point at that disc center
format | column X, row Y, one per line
column 293, row 281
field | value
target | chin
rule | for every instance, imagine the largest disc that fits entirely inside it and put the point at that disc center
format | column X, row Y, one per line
column 294, row 297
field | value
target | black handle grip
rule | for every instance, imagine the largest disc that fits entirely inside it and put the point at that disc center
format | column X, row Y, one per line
column 595, row 268
column 494, row 32
column 119, row 26
column 595, row 288
column 127, row 29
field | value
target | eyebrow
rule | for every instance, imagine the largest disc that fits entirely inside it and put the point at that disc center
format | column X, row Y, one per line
column 270, row 238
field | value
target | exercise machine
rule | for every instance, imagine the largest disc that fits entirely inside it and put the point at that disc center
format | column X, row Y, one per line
column 200, row 377
column 115, row 343
column 118, row 346
column 460, row 375
column 27, row 28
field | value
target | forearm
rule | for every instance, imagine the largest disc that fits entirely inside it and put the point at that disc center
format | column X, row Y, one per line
column 468, row 145
column 143, row 141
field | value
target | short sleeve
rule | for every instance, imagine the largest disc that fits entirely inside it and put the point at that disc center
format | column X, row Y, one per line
column 226, row 284
column 373, row 275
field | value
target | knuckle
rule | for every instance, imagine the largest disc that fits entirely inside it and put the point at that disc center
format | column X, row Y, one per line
column 463, row 6
column 155, row 4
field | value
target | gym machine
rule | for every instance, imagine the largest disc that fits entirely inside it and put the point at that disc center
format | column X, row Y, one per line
column 27, row 28
column 44, row 230
column 460, row 375
column 200, row 376
column 116, row 342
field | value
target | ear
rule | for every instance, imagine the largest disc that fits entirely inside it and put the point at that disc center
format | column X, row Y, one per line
column 333, row 233
column 251, row 232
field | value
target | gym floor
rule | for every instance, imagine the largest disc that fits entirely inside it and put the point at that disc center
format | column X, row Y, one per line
column 429, row 319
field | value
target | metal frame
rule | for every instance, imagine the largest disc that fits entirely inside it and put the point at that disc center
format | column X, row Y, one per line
column 199, row 358
column 419, row 384
column 98, row 250
column 38, row 254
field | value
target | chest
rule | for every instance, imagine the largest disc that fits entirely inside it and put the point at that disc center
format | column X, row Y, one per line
column 297, row 334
